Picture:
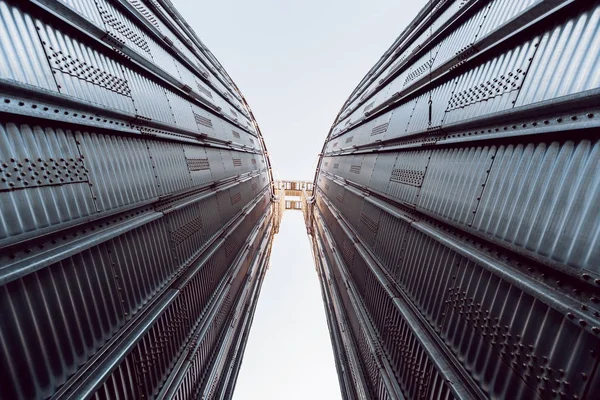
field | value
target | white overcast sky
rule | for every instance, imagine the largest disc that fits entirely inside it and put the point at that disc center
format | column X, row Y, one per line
column 296, row 62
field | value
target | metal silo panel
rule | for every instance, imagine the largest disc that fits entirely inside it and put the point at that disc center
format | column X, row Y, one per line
column 170, row 166
column 211, row 220
column 85, row 73
column 426, row 116
column 377, row 99
column 198, row 164
column 380, row 127
column 161, row 56
column 192, row 80
column 331, row 145
column 104, row 224
column 420, row 67
column 356, row 115
column 149, row 98
column 149, row 15
column 182, row 111
column 247, row 162
column 461, row 38
column 44, row 181
column 514, row 319
column 566, row 61
column 397, row 84
column 361, row 135
column 233, row 133
column 382, row 171
column 406, row 178
column 327, row 164
column 143, row 263
column 350, row 206
column 345, row 163
column 543, row 197
column 22, row 57
column 169, row 33
column 390, row 244
column 475, row 250
column 224, row 200
column 215, row 159
column 206, row 122
column 502, row 11
column 368, row 226
column 368, row 163
column 337, row 128
column 399, row 120
column 64, row 314
column 120, row 169
column 454, row 193
column 238, row 197
column 492, row 86
column 122, row 27
column 448, row 13
column 90, row 10
column 231, row 163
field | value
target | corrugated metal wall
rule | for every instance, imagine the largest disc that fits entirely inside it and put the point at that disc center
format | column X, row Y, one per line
column 135, row 205
column 455, row 222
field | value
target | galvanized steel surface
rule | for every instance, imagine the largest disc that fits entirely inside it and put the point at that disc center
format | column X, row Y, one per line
column 135, row 205
column 456, row 205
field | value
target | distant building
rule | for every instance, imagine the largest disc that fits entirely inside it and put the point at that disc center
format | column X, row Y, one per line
column 455, row 219
column 136, row 211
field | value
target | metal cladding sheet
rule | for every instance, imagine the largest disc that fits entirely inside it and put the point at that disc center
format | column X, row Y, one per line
column 455, row 219
column 135, row 216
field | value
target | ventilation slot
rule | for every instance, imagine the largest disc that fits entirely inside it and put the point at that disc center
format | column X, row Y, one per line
column 336, row 165
column 418, row 72
column 348, row 252
column 237, row 162
column 204, row 90
column 235, row 134
column 379, row 129
column 230, row 247
column 181, row 234
column 355, row 169
column 235, row 198
column 197, row 164
column 408, row 176
column 371, row 225
column 349, row 140
column 200, row 120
